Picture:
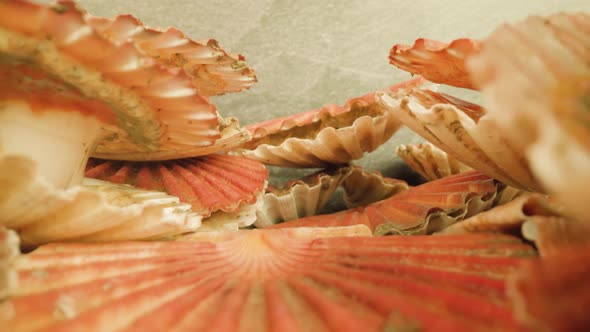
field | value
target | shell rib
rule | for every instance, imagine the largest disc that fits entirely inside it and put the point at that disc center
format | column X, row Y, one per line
column 462, row 129
column 299, row 198
column 541, row 106
column 436, row 61
column 269, row 280
column 97, row 210
column 332, row 135
column 213, row 70
column 553, row 294
column 159, row 111
column 362, row 187
column 420, row 210
column 429, row 161
column 210, row 183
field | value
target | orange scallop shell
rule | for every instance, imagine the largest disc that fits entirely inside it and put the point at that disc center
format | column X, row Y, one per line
column 269, row 280
column 331, row 135
column 421, row 210
column 161, row 114
column 436, row 61
column 210, row 183
column 553, row 294
column 212, row 69
column 508, row 217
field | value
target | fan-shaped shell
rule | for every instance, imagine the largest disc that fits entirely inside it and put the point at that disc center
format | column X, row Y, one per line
column 299, row 198
column 540, row 107
column 429, row 161
column 436, row 61
column 269, row 280
column 462, row 129
column 210, row 183
column 159, row 111
column 212, row 69
column 362, row 187
column 327, row 136
column 420, row 210
column 97, row 210
column 552, row 294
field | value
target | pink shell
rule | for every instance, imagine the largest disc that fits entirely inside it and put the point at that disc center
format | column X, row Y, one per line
column 436, row 61
column 420, row 210
column 210, row 183
column 271, row 280
column 539, row 107
column 462, row 129
column 331, row 135
column 160, row 111
column 213, row 70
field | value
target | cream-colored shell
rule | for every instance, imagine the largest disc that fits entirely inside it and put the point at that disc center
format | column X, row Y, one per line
column 300, row 198
column 429, row 161
column 96, row 211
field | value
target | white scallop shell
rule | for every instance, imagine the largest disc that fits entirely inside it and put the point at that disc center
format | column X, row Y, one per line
column 95, row 211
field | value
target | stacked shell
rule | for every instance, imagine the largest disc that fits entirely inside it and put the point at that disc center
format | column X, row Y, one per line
column 76, row 86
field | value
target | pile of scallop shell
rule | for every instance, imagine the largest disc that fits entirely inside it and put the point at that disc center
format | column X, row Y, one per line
column 128, row 203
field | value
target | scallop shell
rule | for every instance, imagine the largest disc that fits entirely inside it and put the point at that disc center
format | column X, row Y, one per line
column 210, row 183
column 553, row 294
column 213, row 70
column 540, row 106
column 462, row 129
column 508, row 217
column 436, row 61
column 429, row 161
column 421, row 210
column 42, row 213
column 269, row 280
column 552, row 234
column 9, row 251
column 160, row 112
column 299, row 198
column 362, row 187
column 332, row 135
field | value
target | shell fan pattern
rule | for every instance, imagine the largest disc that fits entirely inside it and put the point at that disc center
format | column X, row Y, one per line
column 269, row 280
